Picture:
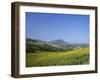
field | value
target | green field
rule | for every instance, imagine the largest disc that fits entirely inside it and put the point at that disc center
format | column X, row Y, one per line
column 44, row 58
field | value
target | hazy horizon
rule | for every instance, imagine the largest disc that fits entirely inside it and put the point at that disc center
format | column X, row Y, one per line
column 49, row 27
column 57, row 39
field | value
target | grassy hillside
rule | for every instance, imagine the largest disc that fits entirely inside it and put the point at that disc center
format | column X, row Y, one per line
column 46, row 58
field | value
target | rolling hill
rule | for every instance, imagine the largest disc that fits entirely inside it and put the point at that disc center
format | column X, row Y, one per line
column 39, row 45
column 55, row 53
column 34, row 45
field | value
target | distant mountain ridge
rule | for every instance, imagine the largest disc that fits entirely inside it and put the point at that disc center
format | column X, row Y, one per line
column 63, row 44
column 59, row 42
column 33, row 45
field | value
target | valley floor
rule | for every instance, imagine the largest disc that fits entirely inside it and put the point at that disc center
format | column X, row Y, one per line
column 74, row 57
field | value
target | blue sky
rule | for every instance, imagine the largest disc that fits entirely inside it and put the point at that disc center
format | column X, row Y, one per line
column 45, row 26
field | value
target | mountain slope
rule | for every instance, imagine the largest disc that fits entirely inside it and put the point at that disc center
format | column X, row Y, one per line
column 63, row 44
column 33, row 45
column 59, row 42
